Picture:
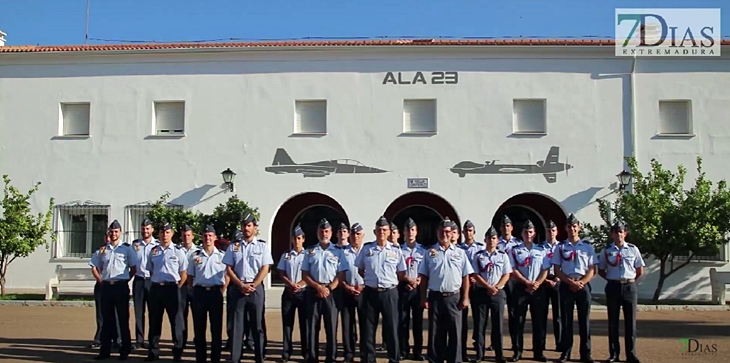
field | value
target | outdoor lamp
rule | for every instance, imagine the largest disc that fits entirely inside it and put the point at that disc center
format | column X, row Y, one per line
column 624, row 179
column 228, row 176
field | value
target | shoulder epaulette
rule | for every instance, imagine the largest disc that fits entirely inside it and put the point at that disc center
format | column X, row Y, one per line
column 630, row 244
column 138, row 240
column 199, row 252
column 367, row 243
column 261, row 240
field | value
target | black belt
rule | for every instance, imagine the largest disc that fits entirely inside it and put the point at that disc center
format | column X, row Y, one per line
column 208, row 288
column 141, row 277
column 382, row 289
column 113, row 282
column 623, row 281
column 444, row 293
column 164, row 283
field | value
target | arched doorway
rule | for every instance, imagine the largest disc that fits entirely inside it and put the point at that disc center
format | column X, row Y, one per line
column 426, row 209
column 306, row 209
column 538, row 208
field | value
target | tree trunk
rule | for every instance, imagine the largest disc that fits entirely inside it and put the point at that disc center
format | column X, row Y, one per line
column 660, row 283
column 2, row 286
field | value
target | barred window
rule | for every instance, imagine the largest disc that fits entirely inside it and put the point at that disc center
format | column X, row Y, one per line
column 80, row 228
column 135, row 215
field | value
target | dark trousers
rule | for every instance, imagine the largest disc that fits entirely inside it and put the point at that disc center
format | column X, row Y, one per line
column 230, row 312
column 508, row 287
column 482, row 305
column 410, row 310
column 319, row 309
column 350, row 307
column 465, row 327
column 165, row 298
column 209, row 305
column 247, row 328
column 621, row 296
column 141, row 297
column 100, row 317
column 535, row 302
column 186, row 304
column 568, row 301
column 251, row 306
column 379, row 302
column 294, row 304
column 552, row 300
column 115, row 303
column 444, row 327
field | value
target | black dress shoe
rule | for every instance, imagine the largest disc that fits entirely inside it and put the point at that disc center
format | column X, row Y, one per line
column 612, row 358
column 500, row 360
column 516, row 357
column 632, row 360
column 380, row 348
column 587, row 360
column 93, row 345
column 540, row 358
column 283, row 359
column 123, row 356
column 150, row 358
column 418, row 358
column 488, row 349
column 101, row 357
column 563, row 358
column 177, row 358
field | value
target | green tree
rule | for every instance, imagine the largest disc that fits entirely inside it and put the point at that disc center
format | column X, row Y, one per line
column 665, row 220
column 226, row 217
column 178, row 217
column 21, row 232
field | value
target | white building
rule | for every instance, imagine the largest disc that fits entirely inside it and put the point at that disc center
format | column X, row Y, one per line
column 350, row 130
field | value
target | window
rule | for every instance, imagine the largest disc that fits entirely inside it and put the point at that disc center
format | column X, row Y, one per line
column 311, row 117
column 80, row 228
column 134, row 215
column 75, row 119
column 170, row 118
column 419, row 116
column 529, row 116
column 675, row 117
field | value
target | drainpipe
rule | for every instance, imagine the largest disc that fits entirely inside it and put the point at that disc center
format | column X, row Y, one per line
column 632, row 119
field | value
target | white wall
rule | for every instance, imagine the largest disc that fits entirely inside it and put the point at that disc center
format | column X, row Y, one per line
column 240, row 108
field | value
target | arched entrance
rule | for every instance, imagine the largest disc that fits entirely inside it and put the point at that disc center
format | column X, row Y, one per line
column 538, row 208
column 426, row 209
column 306, row 209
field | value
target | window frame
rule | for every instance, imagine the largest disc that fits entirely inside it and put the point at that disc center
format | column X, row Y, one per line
column 298, row 120
column 173, row 133
column 406, row 123
column 131, row 227
column 62, row 121
column 63, row 214
column 689, row 131
column 515, row 121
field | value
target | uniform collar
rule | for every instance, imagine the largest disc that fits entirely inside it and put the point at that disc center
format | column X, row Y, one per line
column 450, row 247
column 580, row 242
column 293, row 252
column 405, row 246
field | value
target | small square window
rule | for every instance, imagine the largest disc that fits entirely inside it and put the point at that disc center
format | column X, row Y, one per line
column 75, row 119
column 529, row 116
column 675, row 117
column 310, row 117
column 419, row 116
column 170, row 118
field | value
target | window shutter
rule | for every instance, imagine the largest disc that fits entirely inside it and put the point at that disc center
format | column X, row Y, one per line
column 674, row 117
column 529, row 116
column 419, row 116
column 169, row 118
column 76, row 118
column 311, row 117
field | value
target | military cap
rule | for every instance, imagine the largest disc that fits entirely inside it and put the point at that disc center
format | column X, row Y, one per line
column 186, row 228
column 572, row 220
column 248, row 218
column 528, row 225
column 298, row 231
column 344, row 226
column 468, row 224
column 146, row 222
column 382, row 222
column 115, row 225
column 324, row 224
column 410, row 223
column 393, row 227
column 454, row 226
column 356, row 227
column 238, row 235
column 618, row 226
column 506, row 220
column 209, row 229
column 491, row 232
column 166, row 226
column 551, row 224
column 446, row 223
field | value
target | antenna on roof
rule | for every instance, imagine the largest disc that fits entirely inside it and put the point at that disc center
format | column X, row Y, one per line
column 86, row 35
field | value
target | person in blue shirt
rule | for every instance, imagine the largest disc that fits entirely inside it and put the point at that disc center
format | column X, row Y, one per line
column 575, row 266
column 293, row 299
column 506, row 242
column 142, row 284
column 208, row 279
column 96, row 343
column 349, row 293
column 410, row 299
column 492, row 269
column 113, row 265
column 168, row 267
column 248, row 262
column 471, row 247
column 321, row 271
column 552, row 286
column 621, row 265
column 530, row 263
column 444, row 287
column 186, row 299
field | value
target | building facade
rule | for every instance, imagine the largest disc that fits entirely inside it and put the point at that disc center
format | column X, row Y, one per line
column 349, row 131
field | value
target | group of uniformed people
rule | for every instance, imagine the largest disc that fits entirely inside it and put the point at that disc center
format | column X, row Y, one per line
column 361, row 283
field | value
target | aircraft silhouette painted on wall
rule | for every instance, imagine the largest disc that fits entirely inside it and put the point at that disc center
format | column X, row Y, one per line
column 283, row 164
column 548, row 167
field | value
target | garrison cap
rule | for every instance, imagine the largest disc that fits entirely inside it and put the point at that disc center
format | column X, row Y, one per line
column 528, row 225
column 468, row 224
column 356, row 227
column 446, row 223
column 248, row 218
column 506, row 220
column 344, row 226
column 393, row 227
column 115, row 225
column 454, row 226
column 238, row 235
column 382, row 222
column 298, row 231
column 572, row 220
column 551, row 224
column 186, row 228
column 146, row 222
column 618, row 226
column 410, row 223
column 491, row 232
column 209, row 229
column 165, row 226
column 324, row 224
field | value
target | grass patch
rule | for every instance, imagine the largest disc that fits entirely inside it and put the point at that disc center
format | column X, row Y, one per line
column 42, row 297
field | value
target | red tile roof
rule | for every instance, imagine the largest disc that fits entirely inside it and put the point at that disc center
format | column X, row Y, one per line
column 311, row 43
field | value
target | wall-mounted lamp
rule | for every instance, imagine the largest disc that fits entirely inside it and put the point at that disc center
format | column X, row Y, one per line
column 624, row 179
column 228, row 176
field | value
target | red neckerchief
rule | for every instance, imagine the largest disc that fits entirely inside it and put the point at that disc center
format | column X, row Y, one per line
column 409, row 261
column 571, row 255
column 550, row 248
column 489, row 266
column 618, row 258
column 528, row 259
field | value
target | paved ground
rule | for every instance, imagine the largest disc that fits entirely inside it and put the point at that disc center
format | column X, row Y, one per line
column 59, row 334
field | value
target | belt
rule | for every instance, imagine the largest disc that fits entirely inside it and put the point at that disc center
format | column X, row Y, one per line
column 208, row 288
column 444, row 293
column 112, row 282
column 164, row 283
column 141, row 277
column 382, row 289
column 623, row 281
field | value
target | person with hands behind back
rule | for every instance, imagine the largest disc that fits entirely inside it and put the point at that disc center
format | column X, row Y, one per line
column 409, row 296
column 349, row 294
column 293, row 297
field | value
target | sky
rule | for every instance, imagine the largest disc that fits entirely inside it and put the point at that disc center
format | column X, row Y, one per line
column 56, row 22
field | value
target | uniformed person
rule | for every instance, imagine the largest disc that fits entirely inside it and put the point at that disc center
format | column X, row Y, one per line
column 552, row 286
column 186, row 291
column 168, row 267
column 471, row 247
column 530, row 264
column 141, row 285
column 349, row 294
column 113, row 265
column 444, row 280
column 506, row 242
column 230, row 308
column 492, row 269
column 207, row 276
column 574, row 265
column 96, row 343
column 381, row 265
column 248, row 262
column 394, row 235
column 343, row 236
column 455, row 233
column 320, row 269
column 393, row 239
column 410, row 299
column 293, row 299
column 621, row 265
